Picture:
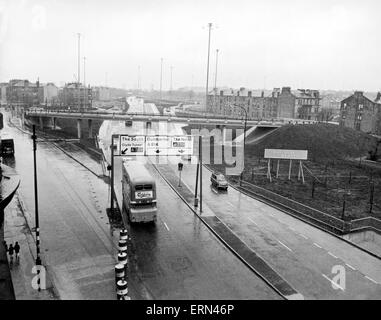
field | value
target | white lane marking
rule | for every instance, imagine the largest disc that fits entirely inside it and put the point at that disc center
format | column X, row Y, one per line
column 230, row 204
column 284, row 246
column 369, row 278
column 252, row 221
column 348, row 265
column 332, row 255
column 291, row 228
column 335, row 284
column 315, row 244
column 166, row 226
column 302, row 235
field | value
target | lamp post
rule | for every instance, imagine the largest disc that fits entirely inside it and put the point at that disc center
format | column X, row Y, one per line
column 244, row 140
column 38, row 258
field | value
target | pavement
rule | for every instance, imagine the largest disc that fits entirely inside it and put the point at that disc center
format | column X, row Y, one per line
column 17, row 229
column 9, row 184
column 78, row 242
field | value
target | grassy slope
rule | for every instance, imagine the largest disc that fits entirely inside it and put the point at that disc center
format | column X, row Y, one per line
column 323, row 141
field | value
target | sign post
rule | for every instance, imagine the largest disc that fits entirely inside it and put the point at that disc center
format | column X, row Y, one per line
column 283, row 154
column 180, row 168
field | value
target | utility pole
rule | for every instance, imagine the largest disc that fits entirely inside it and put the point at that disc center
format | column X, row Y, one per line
column 207, row 67
column 215, row 75
column 161, row 76
column 171, row 80
column 215, row 80
column 79, row 71
column 84, row 81
column 138, row 78
column 38, row 258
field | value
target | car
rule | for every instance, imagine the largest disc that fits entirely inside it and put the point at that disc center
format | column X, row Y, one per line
column 219, row 181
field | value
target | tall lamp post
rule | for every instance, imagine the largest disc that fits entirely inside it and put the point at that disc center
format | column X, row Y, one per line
column 38, row 257
column 244, row 141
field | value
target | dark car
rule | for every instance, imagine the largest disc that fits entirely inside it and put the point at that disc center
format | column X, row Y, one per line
column 219, row 181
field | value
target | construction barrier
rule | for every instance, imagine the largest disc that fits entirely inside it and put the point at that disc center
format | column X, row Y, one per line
column 121, row 290
column 122, row 245
column 119, row 272
column 123, row 234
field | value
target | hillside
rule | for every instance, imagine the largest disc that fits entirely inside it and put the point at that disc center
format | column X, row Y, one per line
column 323, row 141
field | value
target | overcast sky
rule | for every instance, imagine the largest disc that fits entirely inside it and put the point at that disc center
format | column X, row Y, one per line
column 333, row 44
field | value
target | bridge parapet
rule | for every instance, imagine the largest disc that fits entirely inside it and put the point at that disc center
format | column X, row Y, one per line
column 206, row 120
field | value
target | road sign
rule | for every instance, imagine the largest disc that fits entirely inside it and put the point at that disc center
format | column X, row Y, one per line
column 181, row 145
column 132, row 145
column 286, row 154
column 157, row 145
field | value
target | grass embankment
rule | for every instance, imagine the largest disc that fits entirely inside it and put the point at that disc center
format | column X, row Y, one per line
column 333, row 172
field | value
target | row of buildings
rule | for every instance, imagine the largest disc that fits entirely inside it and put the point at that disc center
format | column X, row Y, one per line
column 282, row 103
column 72, row 95
column 361, row 113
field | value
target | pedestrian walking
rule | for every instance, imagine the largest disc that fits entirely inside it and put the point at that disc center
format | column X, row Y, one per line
column 10, row 251
column 17, row 250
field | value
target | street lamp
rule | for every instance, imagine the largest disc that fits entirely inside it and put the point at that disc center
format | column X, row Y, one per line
column 244, row 140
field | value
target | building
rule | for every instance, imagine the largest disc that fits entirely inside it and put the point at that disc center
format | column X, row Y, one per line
column 257, row 107
column 50, row 94
column 3, row 93
column 307, row 104
column 22, row 92
column 102, row 94
column 361, row 113
column 282, row 103
column 75, row 96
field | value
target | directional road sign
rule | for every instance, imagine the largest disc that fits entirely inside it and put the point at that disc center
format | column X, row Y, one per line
column 181, row 145
column 132, row 145
column 157, row 145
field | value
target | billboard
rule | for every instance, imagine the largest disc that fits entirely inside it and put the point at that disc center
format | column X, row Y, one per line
column 286, row 154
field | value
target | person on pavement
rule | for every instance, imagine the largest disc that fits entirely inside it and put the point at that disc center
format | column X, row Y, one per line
column 17, row 250
column 10, row 251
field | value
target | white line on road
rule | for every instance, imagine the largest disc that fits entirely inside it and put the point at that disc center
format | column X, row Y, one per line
column 284, row 246
column 315, row 244
column 291, row 228
column 374, row 281
column 332, row 255
column 252, row 221
column 302, row 235
column 229, row 203
column 335, row 284
column 348, row 265
column 166, row 226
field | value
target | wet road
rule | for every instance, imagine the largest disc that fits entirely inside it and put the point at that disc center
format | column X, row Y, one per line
column 179, row 258
column 76, row 240
column 303, row 255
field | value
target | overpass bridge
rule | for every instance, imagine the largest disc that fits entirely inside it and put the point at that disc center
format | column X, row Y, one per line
column 199, row 120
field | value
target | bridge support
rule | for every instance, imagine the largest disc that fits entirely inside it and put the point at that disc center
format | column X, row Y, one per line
column 41, row 123
column 90, row 126
column 223, row 128
column 79, row 128
column 54, row 123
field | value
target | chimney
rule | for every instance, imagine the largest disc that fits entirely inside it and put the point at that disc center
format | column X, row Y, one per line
column 249, row 94
column 262, row 94
column 221, row 92
column 378, row 98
